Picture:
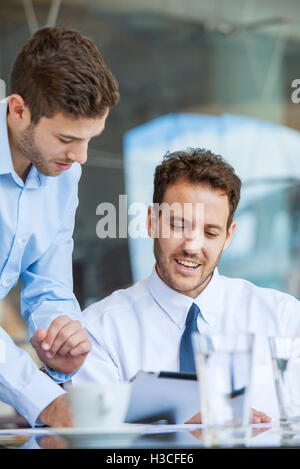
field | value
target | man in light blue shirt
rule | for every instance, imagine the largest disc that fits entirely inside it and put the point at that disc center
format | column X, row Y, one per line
column 61, row 94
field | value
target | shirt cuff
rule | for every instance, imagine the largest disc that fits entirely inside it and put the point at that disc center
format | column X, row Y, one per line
column 36, row 396
column 59, row 377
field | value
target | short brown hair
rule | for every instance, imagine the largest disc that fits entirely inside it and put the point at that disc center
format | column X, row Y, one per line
column 198, row 166
column 59, row 70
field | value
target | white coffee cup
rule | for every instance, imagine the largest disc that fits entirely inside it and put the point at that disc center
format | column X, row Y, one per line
column 99, row 405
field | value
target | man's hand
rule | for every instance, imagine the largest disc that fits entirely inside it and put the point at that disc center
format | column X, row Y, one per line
column 64, row 346
column 57, row 414
column 260, row 417
column 257, row 417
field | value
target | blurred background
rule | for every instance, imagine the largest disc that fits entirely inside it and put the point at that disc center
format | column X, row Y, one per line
column 214, row 74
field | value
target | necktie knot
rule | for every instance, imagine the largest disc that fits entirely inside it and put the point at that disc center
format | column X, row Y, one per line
column 192, row 314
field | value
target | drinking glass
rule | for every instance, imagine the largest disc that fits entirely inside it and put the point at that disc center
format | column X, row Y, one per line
column 224, row 369
column 285, row 353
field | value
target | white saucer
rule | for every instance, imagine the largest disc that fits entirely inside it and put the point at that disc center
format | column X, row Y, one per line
column 127, row 428
column 101, row 437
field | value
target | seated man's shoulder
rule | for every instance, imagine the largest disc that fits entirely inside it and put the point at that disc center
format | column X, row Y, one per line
column 119, row 304
column 250, row 291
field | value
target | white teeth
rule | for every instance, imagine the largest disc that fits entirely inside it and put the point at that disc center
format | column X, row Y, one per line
column 187, row 263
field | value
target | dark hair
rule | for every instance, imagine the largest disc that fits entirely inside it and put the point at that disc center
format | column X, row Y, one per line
column 197, row 166
column 59, row 70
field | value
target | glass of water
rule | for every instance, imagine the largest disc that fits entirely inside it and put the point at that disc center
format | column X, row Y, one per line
column 285, row 353
column 224, row 370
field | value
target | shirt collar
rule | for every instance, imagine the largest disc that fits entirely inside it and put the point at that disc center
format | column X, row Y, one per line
column 34, row 179
column 209, row 299
column 177, row 305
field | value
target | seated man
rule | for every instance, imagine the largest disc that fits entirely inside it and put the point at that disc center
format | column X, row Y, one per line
column 142, row 327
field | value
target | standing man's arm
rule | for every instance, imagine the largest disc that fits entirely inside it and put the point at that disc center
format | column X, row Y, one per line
column 49, row 306
column 32, row 393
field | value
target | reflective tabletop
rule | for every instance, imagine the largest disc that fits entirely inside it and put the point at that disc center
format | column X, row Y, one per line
column 143, row 436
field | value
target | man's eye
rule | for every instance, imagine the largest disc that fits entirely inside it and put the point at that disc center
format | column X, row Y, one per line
column 64, row 140
column 213, row 235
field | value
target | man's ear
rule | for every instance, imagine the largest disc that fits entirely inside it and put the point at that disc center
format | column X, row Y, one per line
column 18, row 110
column 151, row 223
column 229, row 235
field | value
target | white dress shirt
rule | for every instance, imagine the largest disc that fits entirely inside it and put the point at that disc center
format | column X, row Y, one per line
column 140, row 328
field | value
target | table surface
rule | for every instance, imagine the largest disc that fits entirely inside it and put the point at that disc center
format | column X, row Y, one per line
column 154, row 436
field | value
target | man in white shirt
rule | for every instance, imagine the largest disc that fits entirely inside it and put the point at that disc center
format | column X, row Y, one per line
column 141, row 328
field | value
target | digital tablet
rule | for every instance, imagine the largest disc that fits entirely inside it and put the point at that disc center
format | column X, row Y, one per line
column 164, row 397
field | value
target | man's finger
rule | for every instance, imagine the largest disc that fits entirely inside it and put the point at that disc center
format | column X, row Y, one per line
column 72, row 342
column 38, row 337
column 63, row 335
column 197, row 418
column 53, row 330
column 260, row 417
column 82, row 349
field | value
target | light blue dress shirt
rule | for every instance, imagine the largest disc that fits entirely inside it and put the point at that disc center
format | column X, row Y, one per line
column 36, row 227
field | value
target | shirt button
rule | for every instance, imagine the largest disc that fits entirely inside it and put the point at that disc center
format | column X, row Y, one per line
column 20, row 241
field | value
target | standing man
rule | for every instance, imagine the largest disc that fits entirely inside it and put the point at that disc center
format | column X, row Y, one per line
column 61, row 94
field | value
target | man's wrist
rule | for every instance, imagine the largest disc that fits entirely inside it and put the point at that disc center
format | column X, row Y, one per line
column 57, row 413
column 46, row 416
column 58, row 376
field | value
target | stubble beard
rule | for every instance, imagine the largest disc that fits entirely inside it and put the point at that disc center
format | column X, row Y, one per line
column 164, row 274
column 27, row 147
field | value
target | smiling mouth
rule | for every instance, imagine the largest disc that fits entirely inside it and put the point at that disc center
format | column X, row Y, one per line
column 187, row 264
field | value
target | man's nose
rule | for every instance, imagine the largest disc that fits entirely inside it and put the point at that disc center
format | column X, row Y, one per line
column 79, row 154
column 193, row 241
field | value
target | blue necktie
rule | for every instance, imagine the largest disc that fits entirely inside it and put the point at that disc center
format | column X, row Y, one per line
column 187, row 362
